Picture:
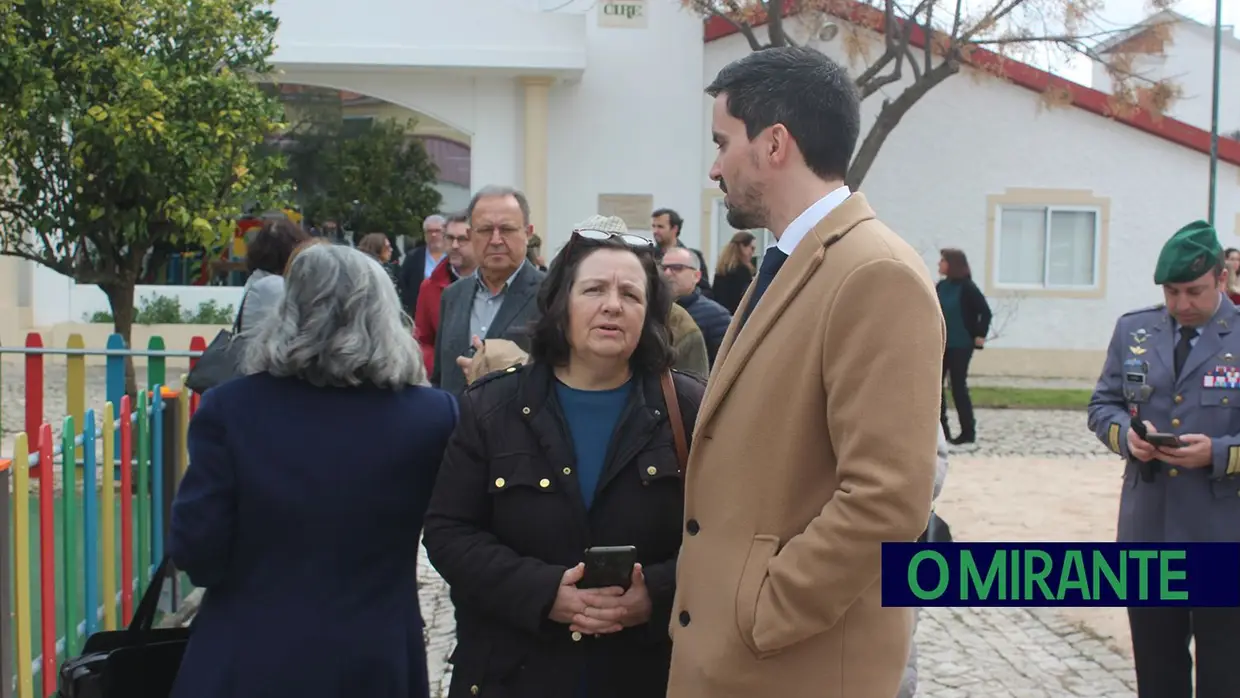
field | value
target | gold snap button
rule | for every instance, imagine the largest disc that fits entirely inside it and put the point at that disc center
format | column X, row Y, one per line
column 525, row 410
column 568, row 471
column 473, row 690
column 1175, row 422
column 544, row 483
column 652, row 470
column 1179, row 399
column 1173, row 472
column 576, row 636
column 499, row 482
column 1224, row 401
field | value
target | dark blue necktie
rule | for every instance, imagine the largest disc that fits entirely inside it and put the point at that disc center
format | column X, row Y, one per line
column 771, row 263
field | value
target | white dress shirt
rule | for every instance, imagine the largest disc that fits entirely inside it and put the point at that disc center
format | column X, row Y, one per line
column 812, row 216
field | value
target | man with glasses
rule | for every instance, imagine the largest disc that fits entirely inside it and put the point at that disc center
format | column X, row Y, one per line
column 458, row 264
column 498, row 301
column 681, row 269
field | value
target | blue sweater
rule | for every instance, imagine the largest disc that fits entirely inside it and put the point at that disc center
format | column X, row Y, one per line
column 592, row 417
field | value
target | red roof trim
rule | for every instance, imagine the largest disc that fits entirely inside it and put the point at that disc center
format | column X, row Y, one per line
column 1040, row 81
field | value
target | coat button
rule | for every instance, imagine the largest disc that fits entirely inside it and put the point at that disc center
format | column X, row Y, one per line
column 1224, row 401
column 1173, row 472
column 499, row 482
column 652, row 470
column 576, row 636
column 684, row 619
column 568, row 471
column 692, row 527
column 473, row 690
column 525, row 410
column 1179, row 399
column 544, row 483
column 1175, row 422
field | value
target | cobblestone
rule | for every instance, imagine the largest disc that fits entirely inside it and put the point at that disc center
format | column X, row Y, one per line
column 964, row 652
column 1025, row 433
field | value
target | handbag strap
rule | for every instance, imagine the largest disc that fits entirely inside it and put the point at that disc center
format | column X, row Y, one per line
column 240, row 312
column 678, row 423
column 144, row 615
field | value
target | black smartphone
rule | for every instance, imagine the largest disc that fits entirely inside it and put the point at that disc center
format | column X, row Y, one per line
column 609, row 566
column 1165, row 440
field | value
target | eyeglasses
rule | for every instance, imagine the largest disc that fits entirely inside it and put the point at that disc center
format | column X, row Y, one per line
column 627, row 238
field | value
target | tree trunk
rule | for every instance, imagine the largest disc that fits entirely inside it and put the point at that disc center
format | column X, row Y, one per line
column 889, row 117
column 121, row 298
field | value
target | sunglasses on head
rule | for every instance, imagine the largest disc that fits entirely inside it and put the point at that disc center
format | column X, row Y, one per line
column 627, row 238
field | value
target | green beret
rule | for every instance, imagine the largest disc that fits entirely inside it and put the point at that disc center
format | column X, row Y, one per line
column 1190, row 253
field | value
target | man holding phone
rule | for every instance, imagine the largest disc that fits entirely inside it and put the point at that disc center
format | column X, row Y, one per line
column 1168, row 402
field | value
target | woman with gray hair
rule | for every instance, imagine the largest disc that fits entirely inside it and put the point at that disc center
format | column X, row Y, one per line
column 301, row 508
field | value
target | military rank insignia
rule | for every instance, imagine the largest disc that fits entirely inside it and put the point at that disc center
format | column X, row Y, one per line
column 1222, row 377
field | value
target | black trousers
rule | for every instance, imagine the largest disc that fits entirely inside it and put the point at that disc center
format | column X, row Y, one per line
column 956, row 369
column 1164, row 665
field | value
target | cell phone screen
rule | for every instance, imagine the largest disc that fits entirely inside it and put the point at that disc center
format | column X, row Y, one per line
column 1165, row 440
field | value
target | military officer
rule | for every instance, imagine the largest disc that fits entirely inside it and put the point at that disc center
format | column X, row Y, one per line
column 1176, row 368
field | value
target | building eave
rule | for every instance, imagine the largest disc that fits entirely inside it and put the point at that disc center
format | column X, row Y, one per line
column 1040, row 81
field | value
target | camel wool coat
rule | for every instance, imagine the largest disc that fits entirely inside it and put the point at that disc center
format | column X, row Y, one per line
column 815, row 443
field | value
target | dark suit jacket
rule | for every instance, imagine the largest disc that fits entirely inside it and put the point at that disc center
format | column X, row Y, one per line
column 516, row 314
column 300, row 514
column 412, row 274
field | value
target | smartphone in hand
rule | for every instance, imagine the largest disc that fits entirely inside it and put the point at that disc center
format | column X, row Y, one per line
column 1163, row 440
column 609, row 566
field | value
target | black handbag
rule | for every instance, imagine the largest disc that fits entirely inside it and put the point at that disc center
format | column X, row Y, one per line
column 937, row 531
column 139, row 662
column 221, row 361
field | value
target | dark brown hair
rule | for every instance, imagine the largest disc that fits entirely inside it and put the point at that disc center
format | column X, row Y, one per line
column 373, row 244
column 273, row 245
column 549, row 340
column 957, row 264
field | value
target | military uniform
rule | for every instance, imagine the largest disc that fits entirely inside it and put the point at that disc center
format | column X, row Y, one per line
column 1166, row 503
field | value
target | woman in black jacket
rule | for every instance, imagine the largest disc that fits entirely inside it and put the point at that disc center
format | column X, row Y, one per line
column 573, row 450
column 735, row 270
column 967, row 316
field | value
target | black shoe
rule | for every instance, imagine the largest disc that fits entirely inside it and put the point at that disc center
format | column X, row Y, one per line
column 964, row 439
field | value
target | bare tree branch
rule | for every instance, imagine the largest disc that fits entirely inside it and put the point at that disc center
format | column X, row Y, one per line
column 949, row 38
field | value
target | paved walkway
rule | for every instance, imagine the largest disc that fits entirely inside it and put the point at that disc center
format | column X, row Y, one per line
column 965, row 652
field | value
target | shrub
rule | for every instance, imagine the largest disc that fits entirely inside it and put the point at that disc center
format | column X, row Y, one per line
column 167, row 310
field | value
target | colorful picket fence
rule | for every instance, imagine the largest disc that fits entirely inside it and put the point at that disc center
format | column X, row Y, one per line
column 76, row 558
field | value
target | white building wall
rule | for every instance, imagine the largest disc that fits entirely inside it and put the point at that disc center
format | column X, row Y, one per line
column 472, row 34
column 631, row 125
column 973, row 137
column 1189, row 63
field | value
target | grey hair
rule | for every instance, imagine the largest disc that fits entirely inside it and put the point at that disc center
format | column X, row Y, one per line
column 493, row 191
column 693, row 260
column 431, row 220
column 339, row 324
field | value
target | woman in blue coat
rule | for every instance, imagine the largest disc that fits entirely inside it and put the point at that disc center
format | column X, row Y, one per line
column 302, row 505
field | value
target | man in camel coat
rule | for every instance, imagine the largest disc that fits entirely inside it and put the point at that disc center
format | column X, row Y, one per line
column 816, row 439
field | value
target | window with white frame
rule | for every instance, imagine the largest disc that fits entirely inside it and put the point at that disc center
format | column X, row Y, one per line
column 1047, row 246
